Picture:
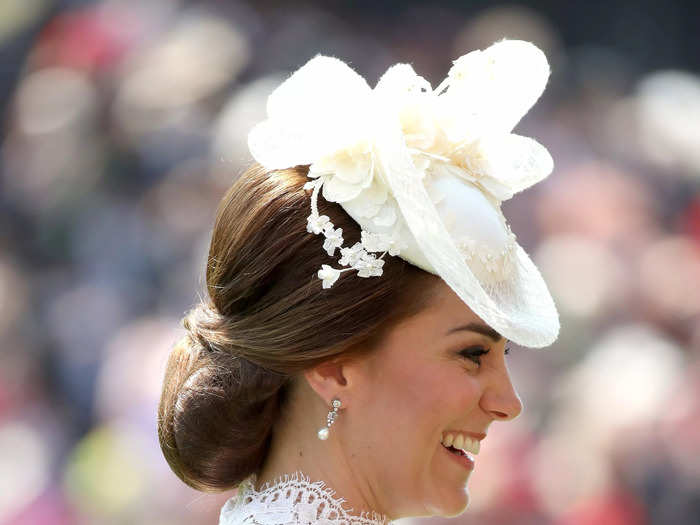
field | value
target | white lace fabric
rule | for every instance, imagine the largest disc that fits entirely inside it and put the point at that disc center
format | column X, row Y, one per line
column 294, row 500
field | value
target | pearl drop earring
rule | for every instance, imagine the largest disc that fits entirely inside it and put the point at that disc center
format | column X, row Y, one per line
column 330, row 419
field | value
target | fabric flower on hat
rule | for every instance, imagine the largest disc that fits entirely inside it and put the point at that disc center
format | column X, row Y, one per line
column 347, row 172
column 486, row 93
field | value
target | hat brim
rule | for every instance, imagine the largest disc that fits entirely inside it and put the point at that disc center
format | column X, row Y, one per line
column 520, row 307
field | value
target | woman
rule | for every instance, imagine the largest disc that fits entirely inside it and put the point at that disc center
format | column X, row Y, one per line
column 356, row 387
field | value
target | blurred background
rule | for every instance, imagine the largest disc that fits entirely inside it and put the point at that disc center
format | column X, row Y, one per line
column 124, row 122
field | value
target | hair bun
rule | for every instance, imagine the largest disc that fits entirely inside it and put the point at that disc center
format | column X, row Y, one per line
column 217, row 410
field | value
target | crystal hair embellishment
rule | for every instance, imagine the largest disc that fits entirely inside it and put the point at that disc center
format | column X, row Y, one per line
column 360, row 256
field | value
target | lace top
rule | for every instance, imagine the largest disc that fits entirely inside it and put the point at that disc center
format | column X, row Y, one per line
column 294, row 500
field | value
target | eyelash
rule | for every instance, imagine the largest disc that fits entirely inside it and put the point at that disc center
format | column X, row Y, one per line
column 474, row 354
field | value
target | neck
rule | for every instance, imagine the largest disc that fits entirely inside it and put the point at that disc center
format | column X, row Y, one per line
column 296, row 448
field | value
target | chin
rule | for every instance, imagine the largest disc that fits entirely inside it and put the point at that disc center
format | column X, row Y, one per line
column 456, row 510
column 454, row 506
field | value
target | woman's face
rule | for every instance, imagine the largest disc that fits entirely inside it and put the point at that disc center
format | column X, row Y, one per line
column 440, row 372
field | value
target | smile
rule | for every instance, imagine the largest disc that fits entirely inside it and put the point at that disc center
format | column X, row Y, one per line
column 461, row 444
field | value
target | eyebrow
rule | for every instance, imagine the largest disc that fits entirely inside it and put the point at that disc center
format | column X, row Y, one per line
column 479, row 328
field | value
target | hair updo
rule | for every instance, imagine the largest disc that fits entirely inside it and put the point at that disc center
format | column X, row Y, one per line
column 267, row 320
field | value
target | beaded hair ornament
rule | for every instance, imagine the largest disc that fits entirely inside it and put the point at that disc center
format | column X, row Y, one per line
column 423, row 172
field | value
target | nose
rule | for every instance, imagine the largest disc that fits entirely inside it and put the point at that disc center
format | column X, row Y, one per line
column 500, row 398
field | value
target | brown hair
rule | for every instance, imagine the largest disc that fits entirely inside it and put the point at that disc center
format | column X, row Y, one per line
column 266, row 320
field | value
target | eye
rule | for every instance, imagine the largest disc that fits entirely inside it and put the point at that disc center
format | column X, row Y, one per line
column 474, row 353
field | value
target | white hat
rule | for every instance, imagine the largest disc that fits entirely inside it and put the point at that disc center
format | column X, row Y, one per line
column 423, row 172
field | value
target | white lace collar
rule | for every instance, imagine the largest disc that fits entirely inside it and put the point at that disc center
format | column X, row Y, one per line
column 292, row 500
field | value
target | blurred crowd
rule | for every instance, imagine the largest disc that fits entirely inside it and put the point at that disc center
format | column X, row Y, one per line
column 124, row 122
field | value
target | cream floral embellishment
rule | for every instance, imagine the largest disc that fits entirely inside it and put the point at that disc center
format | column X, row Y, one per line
column 334, row 239
column 360, row 256
column 328, row 275
column 316, row 224
column 346, row 172
column 369, row 266
column 351, row 255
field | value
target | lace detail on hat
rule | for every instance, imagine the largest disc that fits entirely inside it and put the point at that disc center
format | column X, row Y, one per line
column 294, row 500
column 488, row 264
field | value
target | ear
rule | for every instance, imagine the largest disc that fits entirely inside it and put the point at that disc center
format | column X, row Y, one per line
column 329, row 379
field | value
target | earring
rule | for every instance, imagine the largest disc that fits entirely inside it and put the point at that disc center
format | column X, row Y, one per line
column 330, row 419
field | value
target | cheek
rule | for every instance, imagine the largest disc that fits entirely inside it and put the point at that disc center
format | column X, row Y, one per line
column 448, row 399
column 422, row 398
column 411, row 385
column 406, row 405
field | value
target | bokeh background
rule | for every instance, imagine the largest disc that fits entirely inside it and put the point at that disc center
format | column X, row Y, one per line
column 123, row 123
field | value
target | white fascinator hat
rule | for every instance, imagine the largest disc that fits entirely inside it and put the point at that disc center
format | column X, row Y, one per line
column 423, row 172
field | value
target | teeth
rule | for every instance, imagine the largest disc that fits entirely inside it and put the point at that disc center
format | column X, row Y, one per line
column 466, row 443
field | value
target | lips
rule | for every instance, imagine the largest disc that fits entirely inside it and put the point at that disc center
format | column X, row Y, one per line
column 465, row 459
column 457, row 451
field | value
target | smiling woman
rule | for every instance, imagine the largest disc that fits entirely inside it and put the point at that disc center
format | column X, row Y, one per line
column 358, row 389
column 429, row 380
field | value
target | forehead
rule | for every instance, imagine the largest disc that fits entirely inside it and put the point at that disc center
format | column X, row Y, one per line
column 443, row 310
